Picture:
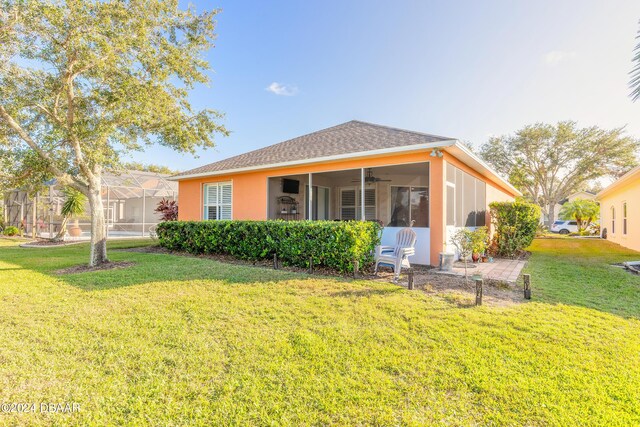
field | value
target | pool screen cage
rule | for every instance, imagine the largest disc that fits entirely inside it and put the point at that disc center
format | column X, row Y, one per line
column 129, row 199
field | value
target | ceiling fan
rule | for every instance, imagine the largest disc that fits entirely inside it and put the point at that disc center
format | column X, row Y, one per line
column 369, row 178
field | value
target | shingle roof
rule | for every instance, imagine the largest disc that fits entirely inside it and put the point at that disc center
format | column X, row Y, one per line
column 347, row 138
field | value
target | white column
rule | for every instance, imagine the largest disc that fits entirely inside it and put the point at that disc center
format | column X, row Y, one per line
column 362, row 218
column 310, row 207
column 144, row 207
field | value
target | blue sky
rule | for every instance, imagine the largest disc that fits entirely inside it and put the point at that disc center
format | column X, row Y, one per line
column 464, row 69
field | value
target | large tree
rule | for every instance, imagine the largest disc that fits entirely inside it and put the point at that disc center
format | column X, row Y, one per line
column 635, row 72
column 549, row 162
column 84, row 81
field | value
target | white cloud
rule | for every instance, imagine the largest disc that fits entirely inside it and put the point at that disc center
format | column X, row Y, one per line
column 281, row 89
column 555, row 57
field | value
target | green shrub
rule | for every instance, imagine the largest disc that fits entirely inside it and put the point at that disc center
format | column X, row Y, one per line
column 515, row 226
column 11, row 231
column 332, row 244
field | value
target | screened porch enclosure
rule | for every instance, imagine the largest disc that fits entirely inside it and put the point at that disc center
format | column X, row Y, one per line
column 395, row 196
column 129, row 198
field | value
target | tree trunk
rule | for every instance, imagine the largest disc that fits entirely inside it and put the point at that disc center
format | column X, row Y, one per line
column 98, row 224
column 63, row 229
column 552, row 214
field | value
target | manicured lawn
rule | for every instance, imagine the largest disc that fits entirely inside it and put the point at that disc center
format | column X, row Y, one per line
column 579, row 272
column 186, row 341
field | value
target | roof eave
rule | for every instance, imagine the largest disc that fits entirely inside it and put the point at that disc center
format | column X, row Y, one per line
column 452, row 145
column 348, row 156
column 621, row 181
column 463, row 153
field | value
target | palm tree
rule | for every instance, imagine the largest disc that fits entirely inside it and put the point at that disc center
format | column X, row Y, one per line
column 584, row 211
column 634, row 84
column 73, row 207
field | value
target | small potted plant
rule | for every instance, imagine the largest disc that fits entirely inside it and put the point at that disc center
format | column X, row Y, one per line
column 478, row 242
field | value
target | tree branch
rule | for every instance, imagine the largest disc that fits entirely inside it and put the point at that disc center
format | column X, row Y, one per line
column 62, row 176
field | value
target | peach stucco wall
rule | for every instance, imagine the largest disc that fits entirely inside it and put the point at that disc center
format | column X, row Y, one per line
column 250, row 189
column 629, row 194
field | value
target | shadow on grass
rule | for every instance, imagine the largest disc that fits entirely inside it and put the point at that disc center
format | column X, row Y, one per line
column 148, row 267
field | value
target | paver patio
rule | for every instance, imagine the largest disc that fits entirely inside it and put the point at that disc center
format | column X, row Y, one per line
column 506, row 270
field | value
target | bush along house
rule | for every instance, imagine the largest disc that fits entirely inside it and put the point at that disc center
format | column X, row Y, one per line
column 353, row 171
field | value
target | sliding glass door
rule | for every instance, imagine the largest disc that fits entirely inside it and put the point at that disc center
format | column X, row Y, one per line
column 320, row 205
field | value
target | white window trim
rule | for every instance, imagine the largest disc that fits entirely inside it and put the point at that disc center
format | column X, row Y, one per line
column 612, row 211
column 204, row 198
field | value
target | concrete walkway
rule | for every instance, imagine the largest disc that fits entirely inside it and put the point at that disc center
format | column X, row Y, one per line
column 505, row 270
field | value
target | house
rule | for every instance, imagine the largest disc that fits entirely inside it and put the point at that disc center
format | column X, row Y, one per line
column 356, row 171
column 620, row 210
column 544, row 219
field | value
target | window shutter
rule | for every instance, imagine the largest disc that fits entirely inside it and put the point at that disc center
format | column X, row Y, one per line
column 212, row 195
column 225, row 194
column 370, row 203
column 225, row 212
column 217, row 201
column 348, row 204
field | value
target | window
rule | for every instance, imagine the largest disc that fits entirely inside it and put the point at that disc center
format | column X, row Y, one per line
column 624, row 218
column 466, row 199
column 351, row 201
column 613, row 220
column 409, row 206
column 573, row 222
column 217, row 200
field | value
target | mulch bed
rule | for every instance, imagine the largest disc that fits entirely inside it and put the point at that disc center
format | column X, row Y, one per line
column 46, row 243
column 86, row 269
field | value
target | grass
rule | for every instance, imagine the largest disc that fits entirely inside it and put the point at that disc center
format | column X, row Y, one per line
column 187, row 341
column 580, row 272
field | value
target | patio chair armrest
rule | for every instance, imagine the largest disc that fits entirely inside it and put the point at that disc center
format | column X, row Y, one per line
column 383, row 248
column 406, row 252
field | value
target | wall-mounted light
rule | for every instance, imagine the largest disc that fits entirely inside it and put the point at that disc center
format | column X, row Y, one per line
column 436, row 152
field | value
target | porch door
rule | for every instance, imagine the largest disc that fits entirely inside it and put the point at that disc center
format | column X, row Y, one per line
column 320, row 206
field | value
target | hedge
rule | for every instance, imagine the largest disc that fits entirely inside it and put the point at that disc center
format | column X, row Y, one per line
column 331, row 244
column 516, row 224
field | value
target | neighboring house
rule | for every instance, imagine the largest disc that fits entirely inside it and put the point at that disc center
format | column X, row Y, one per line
column 356, row 171
column 130, row 199
column 620, row 210
column 578, row 195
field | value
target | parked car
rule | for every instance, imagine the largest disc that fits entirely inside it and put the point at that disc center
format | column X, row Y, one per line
column 564, row 227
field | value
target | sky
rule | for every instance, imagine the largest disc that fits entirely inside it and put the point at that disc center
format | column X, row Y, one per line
column 462, row 69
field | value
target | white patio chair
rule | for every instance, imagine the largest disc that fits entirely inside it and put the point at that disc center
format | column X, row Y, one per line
column 397, row 256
